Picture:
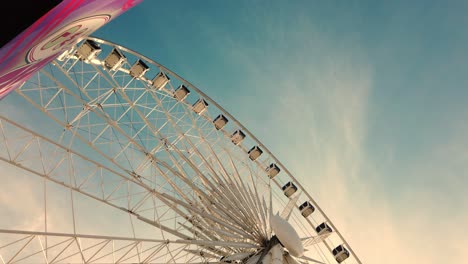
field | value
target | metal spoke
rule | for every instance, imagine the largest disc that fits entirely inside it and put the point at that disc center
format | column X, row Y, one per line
column 149, row 153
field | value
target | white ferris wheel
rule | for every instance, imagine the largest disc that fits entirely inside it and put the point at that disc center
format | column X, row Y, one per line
column 133, row 164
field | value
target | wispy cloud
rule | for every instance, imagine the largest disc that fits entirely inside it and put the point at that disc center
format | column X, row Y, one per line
column 307, row 95
column 314, row 106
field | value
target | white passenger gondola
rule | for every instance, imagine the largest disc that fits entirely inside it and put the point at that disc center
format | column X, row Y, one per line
column 200, row 106
column 160, row 80
column 88, row 50
column 255, row 152
column 114, row 60
column 181, row 93
column 237, row 137
column 220, row 121
column 272, row 170
column 306, row 209
column 289, row 189
column 323, row 229
column 138, row 69
column 340, row 253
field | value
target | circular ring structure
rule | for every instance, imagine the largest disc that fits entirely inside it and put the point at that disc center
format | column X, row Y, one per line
column 134, row 164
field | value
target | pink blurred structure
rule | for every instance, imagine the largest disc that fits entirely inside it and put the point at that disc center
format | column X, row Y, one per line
column 57, row 30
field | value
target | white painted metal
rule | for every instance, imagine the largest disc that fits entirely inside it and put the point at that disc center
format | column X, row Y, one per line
column 167, row 166
column 289, row 189
column 88, row 50
column 114, row 60
column 255, row 152
column 237, row 137
column 138, row 69
column 306, row 209
column 200, row 106
column 287, row 235
column 160, row 80
column 220, row 121
column 276, row 254
column 273, row 170
column 181, row 93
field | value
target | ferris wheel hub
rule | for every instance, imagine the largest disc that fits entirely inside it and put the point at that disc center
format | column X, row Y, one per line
column 287, row 235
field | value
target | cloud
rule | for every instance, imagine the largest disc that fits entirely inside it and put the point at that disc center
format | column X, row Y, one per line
column 306, row 95
column 311, row 107
column 332, row 159
column 18, row 213
column 406, row 226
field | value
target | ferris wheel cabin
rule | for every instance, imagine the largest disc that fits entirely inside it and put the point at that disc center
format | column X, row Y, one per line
column 200, row 106
column 237, row 137
column 255, row 152
column 323, row 229
column 181, row 93
column 272, row 170
column 88, row 50
column 160, row 80
column 114, row 60
column 306, row 209
column 289, row 189
column 138, row 69
column 220, row 121
column 340, row 253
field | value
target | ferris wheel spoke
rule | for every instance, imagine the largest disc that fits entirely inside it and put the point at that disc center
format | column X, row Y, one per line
column 199, row 212
column 256, row 200
column 97, row 249
column 146, row 149
column 98, row 111
column 195, row 188
column 222, row 200
column 112, row 125
column 49, row 161
column 243, row 189
column 140, row 148
column 227, row 200
column 286, row 213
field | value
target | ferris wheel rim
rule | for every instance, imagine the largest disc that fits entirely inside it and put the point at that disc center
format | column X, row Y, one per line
column 237, row 123
column 205, row 96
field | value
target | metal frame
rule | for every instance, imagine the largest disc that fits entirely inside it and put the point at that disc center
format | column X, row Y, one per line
column 169, row 166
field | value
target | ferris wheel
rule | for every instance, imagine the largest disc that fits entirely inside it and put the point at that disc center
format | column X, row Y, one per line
column 134, row 164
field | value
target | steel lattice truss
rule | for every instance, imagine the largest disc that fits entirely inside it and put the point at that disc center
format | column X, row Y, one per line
column 149, row 158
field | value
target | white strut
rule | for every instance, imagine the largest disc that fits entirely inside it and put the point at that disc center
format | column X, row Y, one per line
column 275, row 256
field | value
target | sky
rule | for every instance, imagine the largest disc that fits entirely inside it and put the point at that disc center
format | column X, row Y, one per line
column 364, row 102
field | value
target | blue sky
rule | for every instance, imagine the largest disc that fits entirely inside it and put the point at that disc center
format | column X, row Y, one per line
column 363, row 101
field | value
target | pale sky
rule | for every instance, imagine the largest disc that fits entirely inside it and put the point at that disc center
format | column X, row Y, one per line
column 363, row 102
